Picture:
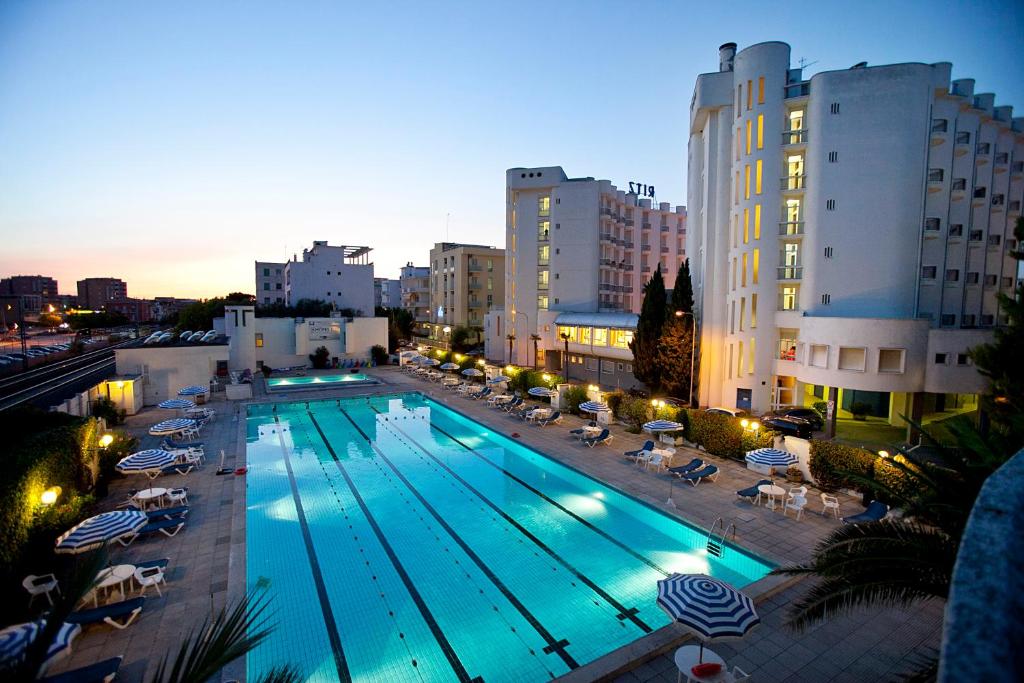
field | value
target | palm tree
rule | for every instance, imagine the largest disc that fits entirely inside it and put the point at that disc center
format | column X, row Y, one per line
column 511, row 338
column 535, row 338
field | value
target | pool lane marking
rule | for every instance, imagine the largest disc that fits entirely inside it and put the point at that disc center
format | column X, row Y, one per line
column 624, row 612
column 428, row 617
column 601, row 532
column 314, row 564
column 553, row 645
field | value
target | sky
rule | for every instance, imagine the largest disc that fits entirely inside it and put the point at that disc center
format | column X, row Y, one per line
column 173, row 144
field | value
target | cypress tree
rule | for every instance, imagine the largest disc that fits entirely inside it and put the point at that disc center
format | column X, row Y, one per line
column 682, row 292
column 676, row 342
column 648, row 332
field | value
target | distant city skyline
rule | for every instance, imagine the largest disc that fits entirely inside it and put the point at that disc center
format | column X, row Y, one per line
column 174, row 146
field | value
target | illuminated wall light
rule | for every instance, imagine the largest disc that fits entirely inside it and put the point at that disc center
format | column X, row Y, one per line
column 49, row 496
column 106, row 440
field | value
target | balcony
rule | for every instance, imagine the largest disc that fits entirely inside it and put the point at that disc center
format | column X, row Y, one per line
column 474, row 284
column 665, row 228
column 606, row 236
column 664, row 250
column 543, row 262
column 475, row 267
column 795, row 137
column 787, row 350
column 801, row 89
column 627, row 244
column 793, row 182
column 646, row 226
column 645, row 247
column 542, row 286
column 791, row 228
column 789, row 272
column 629, row 222
column 789, row 302
column 544, row 236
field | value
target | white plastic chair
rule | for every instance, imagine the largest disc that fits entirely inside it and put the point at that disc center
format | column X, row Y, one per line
column 739, row 674
column 795, row 503
column 40, row 585
column 149, row 576
column 177, row 496
column 829, row 503
column 657, row 460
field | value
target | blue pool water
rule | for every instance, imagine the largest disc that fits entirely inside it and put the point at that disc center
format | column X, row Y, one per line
column 318, row 381
column 402, row 541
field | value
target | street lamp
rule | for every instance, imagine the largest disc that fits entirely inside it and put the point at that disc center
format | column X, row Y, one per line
column 447, row 338
column 693, row 350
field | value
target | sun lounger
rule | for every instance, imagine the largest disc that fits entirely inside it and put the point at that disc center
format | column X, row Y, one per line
column 170, row 444
column 150, row 564
column 180, row 468
column 486, row 391
column 687, row 468
column 167, row 513
column 604, row 437
column 168, row 527
column 512, row 405
column 553, row 418
column 709, row 472
column 101, row 672
column 875, row 511
column 120, row 615
column 752, row 493
column 633, row 455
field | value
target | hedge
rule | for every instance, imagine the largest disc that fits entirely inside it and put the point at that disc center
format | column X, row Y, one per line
column 572, row 398
column 832, row 463
column 724, row 436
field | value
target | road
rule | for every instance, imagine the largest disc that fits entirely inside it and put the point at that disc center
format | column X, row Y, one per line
column 50, row 384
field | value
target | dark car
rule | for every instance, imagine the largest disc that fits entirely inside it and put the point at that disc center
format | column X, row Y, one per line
column 809, row 415
column 789, row 426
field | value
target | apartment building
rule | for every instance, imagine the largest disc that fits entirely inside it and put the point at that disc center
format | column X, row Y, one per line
column 579, row 253
column 466, row 281
column 39, row 290
column 415, row 285
column 96, row 292
column 849, row 232
column 387, row 293
column 341, row 275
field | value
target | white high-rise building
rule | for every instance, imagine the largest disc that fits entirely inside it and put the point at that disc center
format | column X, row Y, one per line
column 342, row 276
column 848, row 233
column 578, row 252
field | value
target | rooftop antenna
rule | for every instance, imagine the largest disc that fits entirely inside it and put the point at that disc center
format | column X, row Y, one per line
column 804, row 63
column 446, row 217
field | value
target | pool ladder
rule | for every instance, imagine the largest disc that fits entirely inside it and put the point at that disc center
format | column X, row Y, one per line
column 716, row 542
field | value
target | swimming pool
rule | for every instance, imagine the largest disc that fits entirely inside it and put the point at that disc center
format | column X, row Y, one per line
column 402, row 541
column 318, row 382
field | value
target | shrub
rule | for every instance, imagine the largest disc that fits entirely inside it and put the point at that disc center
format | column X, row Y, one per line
column 107, row 409
column 572, row 398
column 822, row 408
column 892, row 477
column 320, row 358
column 724, row 436
column 614, row 401
column 379, row 354
column 834, row 465
column 860, row 410
column 634, row 412
column 267, row 371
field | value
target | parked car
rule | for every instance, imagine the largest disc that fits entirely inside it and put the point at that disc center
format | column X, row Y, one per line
column 789, row 426
column 731, row 412
column 806, row 414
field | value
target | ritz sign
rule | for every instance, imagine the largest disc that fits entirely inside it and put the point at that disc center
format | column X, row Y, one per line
column 641, row 189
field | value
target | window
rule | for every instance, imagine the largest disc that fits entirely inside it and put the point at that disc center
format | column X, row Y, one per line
column 750, row 94
column 834, row 108
column 975, row 235
column 830, row 205
column 928, row 272
column 972, row 278
column 967, row 321
column 1017, row 167
column 739, row 98
column 732, row 317
column 947, row 319
column 607, row 367
column 266, row 299
column 753, row 311
column 259, row 340
column 544, row 205
column 760, row 90
column 266, row 272
column 543, row 230
column 987, row 319
column 935, row 175
column 963, row 138
column 621, row 338
column 277, row 285
column 585, row 335
column 746, row 225
column 828, row 252
column 760, row 131
column 952, row 275
column 567, row 330
column 756, row 266
column 940, row 358
column 746, row 181
column 542, row 302
column 997, row 199
column 984, row 148
column 990, row 280
column 1007, row 281
column 819, row 356
column 743, row 272
column 852, row 358
column 956, row 230
column 266, row 286
column 757, row 178
column 757, row 217
column 788, row 299
column 734, row 274
column 753, row 355
column 729, row 364
column 890, row 360
column 543, row 255
column 739, row 359
column 931, row 224
column 600, row 336
column 939, row 125
column 591, row 364
column 749, row 139
column 959, row 184
column 1002, row 157
column 963, row 359
column 833, row 157
column 994, row 240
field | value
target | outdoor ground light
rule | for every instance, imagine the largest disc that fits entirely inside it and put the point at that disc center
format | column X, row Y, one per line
column 49, row 496
column 883, row 454
column 481, row 362
column 547, row 377
column 106, row 440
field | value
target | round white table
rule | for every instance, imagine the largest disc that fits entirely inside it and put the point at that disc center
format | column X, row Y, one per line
column 772, row 492
column 148, row 496
column 113, row 576
column 589, row 431
column 688, row 656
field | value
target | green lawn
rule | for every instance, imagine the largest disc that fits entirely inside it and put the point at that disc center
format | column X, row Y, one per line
column 873, row 435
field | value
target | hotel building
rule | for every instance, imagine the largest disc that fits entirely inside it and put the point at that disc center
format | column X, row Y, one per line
column 466, row 281
column 342, row 276
column 579, row 253
column 415, row 283
column 849, row 232
column 94, row 293
column 387, row 293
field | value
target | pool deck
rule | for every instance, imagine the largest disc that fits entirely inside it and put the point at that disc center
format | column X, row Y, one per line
column 208, row 556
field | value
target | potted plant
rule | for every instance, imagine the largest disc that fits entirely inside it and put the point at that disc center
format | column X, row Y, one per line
column 860, row 410
column 794, row 475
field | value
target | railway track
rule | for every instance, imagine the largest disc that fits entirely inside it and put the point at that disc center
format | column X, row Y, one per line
column 49, row 384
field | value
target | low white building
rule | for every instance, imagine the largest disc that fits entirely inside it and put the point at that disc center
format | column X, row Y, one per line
column 167, row 368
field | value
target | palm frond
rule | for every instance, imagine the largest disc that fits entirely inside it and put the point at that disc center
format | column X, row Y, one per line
column 288, row 673
column 230, row 634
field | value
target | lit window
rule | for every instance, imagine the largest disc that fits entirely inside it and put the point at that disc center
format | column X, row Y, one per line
column 757, row 177
column 543, row 254
column 743, row 311
column 584, row 335
column 600, row 336
column 621, row 338
column 760, row 131
column 757, row 217
column 788, row 299
column 749, row 135
column 542, row 302
column 752, row 354
column 259, row 340
column 746, row 181
column 757, row 262
column 571, row 331
column 739, row 360
column 544, row 206
column 732, row 317
column 743, row 273
column 753, row 310
column 746, row 225
column 730, row 361
column 543, row 229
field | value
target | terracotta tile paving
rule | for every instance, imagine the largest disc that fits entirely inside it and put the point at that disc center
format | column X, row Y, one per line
column 208, row 557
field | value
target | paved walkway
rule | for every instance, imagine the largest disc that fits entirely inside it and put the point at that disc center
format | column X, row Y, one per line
column 208, row 557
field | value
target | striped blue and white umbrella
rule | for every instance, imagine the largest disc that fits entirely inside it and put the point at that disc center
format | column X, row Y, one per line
column 472, row 372
column 542, row 392
column 99, row 530
column 171, row 426
column 708, row 607
column 430, row 361
column 499, row 379
column 176, row 404
column 771, row 457
column 193, row 390
column 150, row 460
column 593, row 407
column 662, row 426
column 14, row 640
column 450, row 366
